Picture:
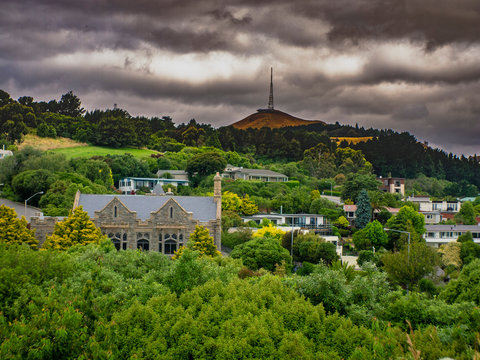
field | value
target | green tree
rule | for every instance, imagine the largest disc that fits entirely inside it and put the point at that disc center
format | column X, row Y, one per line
column 204, row 164
column 356, row 183
column 466, row 287
column 372, row 235
column 14, row 230
column 70, row 105
column 29, row 182
column 76, row 229
column 406, row 267
column 316, row 251
column 201, row 241
column 363, row 214
column 261, row 253
column 466, row 215
column 409, row 220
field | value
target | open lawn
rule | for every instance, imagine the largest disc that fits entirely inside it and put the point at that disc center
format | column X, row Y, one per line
column 89, row 151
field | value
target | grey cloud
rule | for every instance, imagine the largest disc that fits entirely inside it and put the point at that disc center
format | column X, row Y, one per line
column 411, row 112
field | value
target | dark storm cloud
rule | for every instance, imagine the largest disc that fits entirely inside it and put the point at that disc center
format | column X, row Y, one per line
column 432, row 91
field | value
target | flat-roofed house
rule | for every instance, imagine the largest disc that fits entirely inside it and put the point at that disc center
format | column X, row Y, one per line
column 437, row 235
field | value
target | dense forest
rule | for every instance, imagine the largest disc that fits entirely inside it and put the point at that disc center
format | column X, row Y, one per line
column 389, row 152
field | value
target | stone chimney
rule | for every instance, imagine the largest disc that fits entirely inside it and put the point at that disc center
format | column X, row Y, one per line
column 217, row 194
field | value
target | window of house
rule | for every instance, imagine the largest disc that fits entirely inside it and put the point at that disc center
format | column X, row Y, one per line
column 143, row 241
column 143, row 244
column 115, row 212
column 170, row 247
column 171, row 212
column 118, row 239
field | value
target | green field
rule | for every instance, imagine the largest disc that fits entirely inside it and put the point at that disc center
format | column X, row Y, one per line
column 89, row 151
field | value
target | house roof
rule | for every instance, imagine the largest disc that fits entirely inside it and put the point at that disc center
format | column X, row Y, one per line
column 257, row 172
column 203, row 208
column 350, row 207
column 172, row 172
column 475, row 228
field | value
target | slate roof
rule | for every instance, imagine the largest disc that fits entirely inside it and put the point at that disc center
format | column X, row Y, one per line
column 261, row 172
column 158, row 189
column 202, row 207
column 171, row 172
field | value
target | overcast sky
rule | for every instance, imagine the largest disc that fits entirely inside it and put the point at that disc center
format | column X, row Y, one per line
column 400, row 64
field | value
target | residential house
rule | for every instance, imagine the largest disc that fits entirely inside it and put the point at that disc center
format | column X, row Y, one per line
column 133, row 184
column 311, row 221
column 427, row 205
column 4, row 153
column 158, row 223
column 175, row 174
column 392, row 185
column 233, row 172
column 437, row 235
column 350, row 213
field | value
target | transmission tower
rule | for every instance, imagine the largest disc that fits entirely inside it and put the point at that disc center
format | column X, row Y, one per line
column 270, row 99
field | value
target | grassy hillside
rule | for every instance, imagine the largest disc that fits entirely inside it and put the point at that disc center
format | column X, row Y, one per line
column 49, row 143
column 89, row 151
column 272, row 119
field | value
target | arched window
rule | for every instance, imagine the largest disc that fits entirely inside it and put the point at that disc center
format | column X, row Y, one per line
column 171, row 212
column 119, row 240
column 170, row 247
column 143, row 241
column 115, row 212
column 143, row 244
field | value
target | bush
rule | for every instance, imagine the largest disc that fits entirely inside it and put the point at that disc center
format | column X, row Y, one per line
column 238, row 237
column 261, row 253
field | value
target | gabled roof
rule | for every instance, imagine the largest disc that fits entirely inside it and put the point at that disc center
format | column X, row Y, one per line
column 203, row 208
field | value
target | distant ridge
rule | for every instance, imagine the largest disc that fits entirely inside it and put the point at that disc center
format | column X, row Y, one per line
column 272, row 119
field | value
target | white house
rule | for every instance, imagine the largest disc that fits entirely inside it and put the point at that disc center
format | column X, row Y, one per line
column 437, row 235
column 130, row 184
column 312, row 221
column 4, row 153
column 427, row 205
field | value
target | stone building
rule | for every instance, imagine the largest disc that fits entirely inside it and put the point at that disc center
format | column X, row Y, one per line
column 159, row 223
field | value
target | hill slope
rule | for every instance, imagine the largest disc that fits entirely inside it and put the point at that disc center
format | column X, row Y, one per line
column 272, row 119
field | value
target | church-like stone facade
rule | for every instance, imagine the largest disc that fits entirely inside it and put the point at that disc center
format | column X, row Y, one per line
column 157, row 223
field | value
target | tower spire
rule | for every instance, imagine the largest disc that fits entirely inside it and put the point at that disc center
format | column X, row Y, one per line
column 270, row 99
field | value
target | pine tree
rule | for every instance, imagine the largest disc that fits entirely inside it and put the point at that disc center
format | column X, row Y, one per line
column 201, row 241
column 364, row 210
column 76, row 229
column 14, row 230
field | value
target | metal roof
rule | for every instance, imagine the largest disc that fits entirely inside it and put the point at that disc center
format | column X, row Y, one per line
column 475, row 228
column 202, row 207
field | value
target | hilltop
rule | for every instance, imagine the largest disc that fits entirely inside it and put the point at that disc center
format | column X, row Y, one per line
column 272, row 119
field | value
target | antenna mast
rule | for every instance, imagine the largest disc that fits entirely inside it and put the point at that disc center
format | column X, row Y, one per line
column 270, row 99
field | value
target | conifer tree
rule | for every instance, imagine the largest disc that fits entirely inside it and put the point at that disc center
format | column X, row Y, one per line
column 364, row 210
column 76, row 229
column 14, row 230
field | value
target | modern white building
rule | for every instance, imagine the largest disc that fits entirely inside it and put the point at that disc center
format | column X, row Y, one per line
column 437, row 235
column 312, row 221
column 427, row 205
column 130, row 184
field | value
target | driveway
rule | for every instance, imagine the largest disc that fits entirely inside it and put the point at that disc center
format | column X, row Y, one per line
column 20, row 209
